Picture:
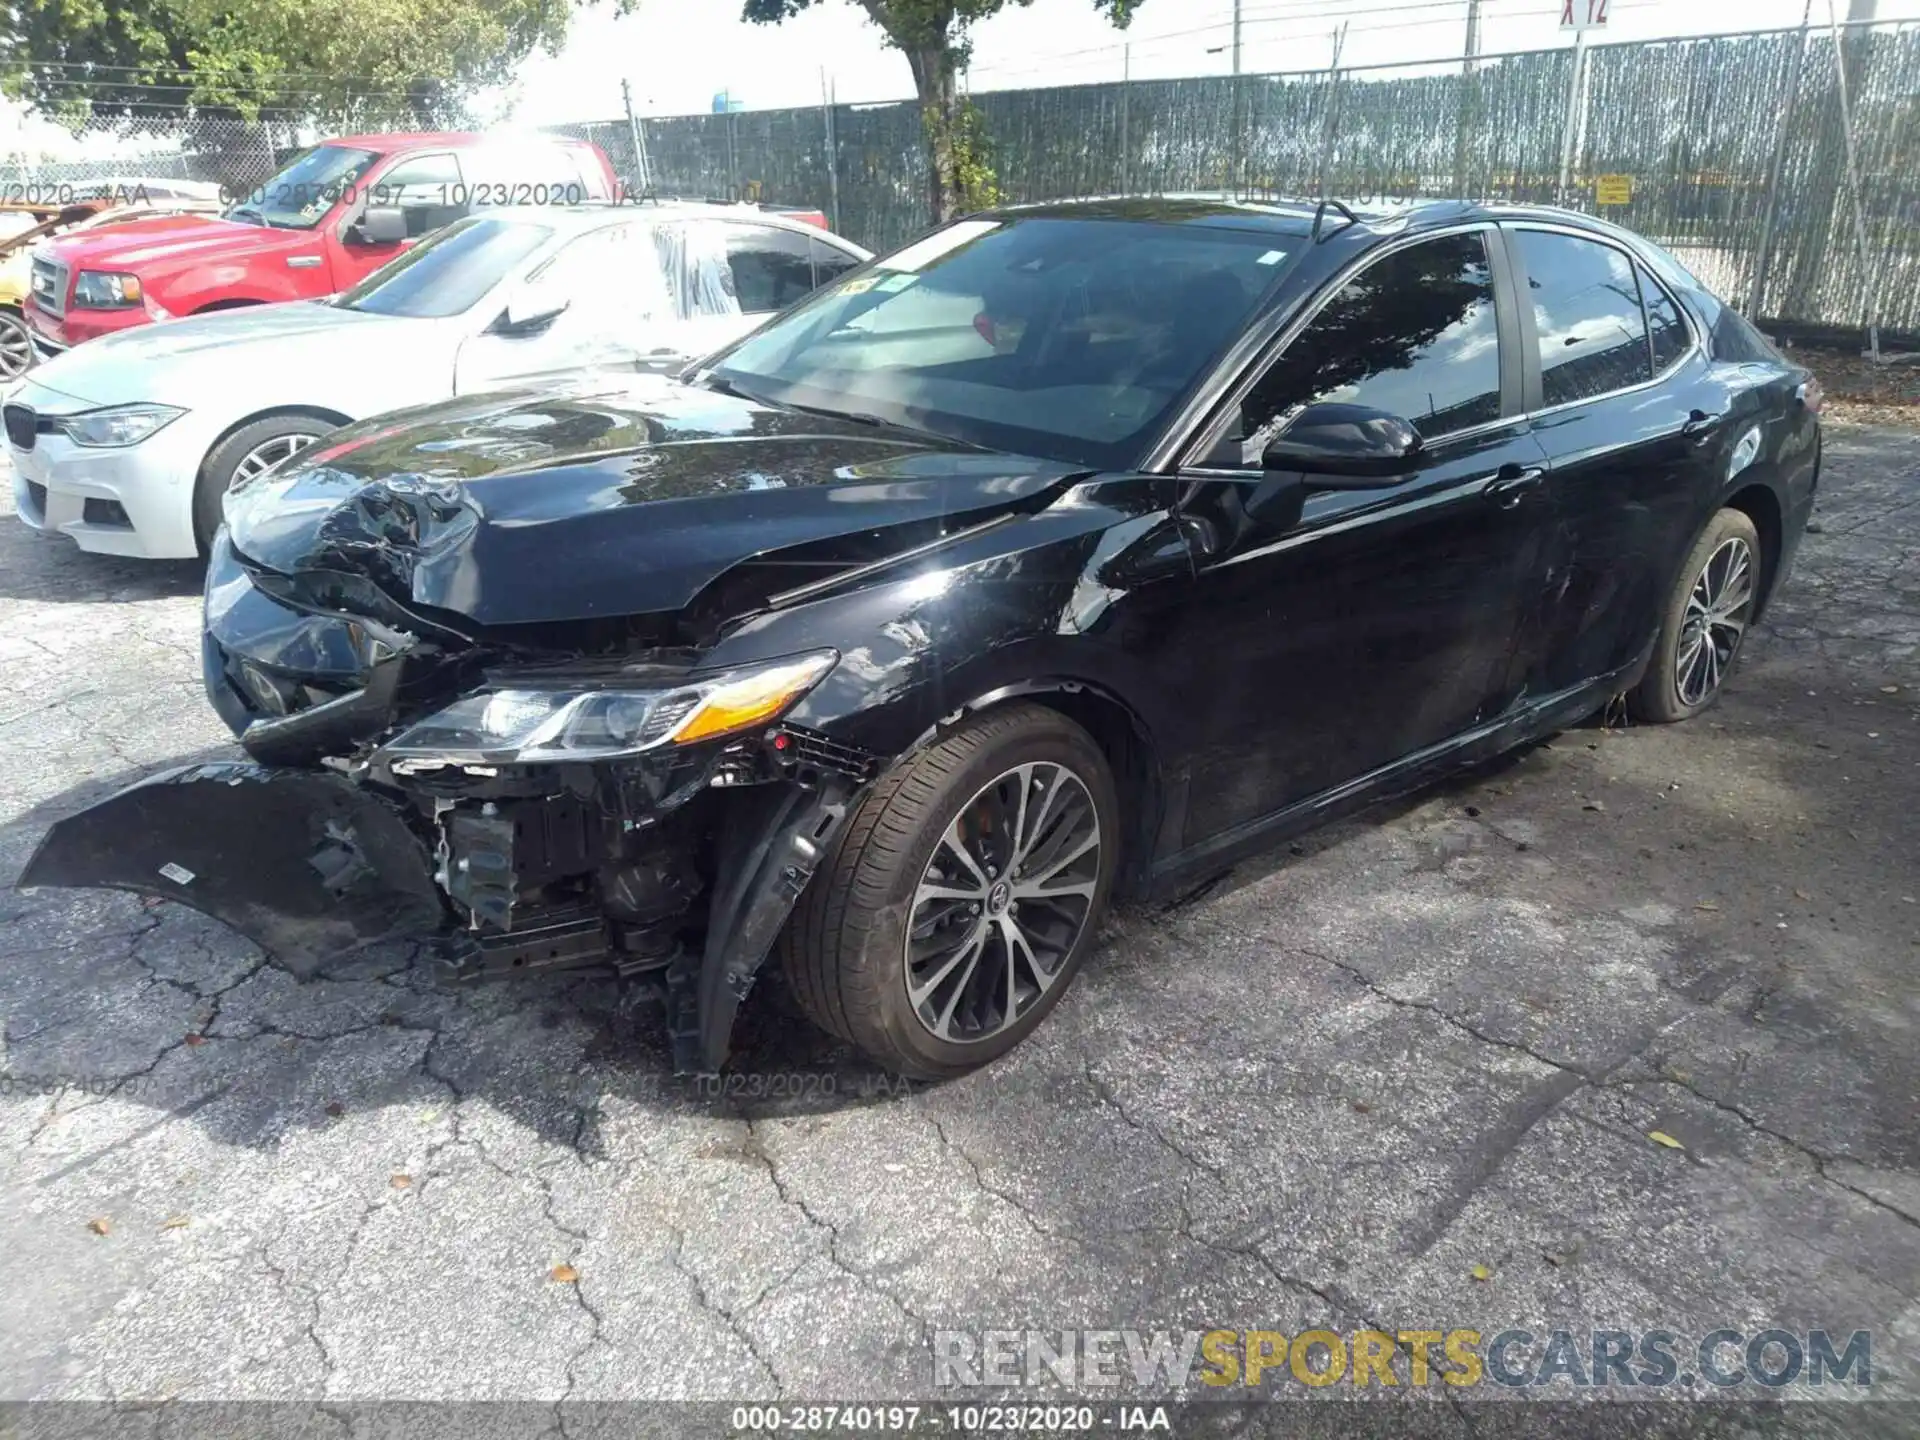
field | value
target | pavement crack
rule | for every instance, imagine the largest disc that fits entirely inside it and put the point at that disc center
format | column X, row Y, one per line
column 1820, row 1159
column 1109, row 1097
column 735, row 1320
column 1447, row 1017
column 755, row 1150
column 1007, row 1197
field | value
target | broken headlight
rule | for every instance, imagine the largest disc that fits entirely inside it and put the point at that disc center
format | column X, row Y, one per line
column 515, row 726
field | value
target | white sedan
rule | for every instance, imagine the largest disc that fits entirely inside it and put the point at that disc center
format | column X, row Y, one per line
column 128, row 443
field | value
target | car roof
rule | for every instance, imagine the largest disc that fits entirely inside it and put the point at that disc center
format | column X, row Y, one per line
column 1293, row 217
column 386, row 143
column 576, row 218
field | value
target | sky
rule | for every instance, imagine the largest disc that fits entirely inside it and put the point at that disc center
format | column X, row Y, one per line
column 678, row 53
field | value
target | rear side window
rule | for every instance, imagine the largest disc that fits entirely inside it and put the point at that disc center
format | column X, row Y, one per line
column 772, row 268
column 1735, row 339
column 1586, row 308
column 1413, row 334
column 1666, row 331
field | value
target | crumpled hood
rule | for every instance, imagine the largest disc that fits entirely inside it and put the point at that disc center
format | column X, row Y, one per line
column 165, row 361
column 526, row 508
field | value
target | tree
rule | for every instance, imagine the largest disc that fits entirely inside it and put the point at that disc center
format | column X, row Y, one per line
column 379, row 62
column 934, row 36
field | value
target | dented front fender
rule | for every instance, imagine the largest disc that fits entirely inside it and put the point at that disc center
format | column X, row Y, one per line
column 305, row 863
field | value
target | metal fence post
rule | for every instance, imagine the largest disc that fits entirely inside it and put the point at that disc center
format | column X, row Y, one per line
column 1763, row 260
column 833, row 149
column 733, row 166
column 639, row 139
column 1869, row 297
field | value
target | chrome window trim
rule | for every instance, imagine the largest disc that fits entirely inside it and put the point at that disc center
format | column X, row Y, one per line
column 1190, row 426
column 1641, row 267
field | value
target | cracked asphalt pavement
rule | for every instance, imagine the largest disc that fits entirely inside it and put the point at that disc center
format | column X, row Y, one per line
column 1320, row 1093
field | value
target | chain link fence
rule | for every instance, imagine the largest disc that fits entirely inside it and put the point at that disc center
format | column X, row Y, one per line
column 1731, row 150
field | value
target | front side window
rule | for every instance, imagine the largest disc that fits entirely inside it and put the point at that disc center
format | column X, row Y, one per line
column 1072, row 339
column 427, row 189
column 447, row 273
column 1414, row 334
column 1586, row 307
column 609, row 280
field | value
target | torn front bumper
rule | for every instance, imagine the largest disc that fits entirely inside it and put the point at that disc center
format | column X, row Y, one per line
column 312, row 866
column 305, row 863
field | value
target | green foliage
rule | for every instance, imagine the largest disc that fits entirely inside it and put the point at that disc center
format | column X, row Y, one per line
column 379, row 61
column 975, row 184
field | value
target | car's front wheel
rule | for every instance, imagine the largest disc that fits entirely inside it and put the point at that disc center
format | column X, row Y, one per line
column 248, row 451
column 962, row 895
column 16, row 346
column 1704, row 623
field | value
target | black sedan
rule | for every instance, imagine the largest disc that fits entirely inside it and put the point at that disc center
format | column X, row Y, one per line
column 1069, row 553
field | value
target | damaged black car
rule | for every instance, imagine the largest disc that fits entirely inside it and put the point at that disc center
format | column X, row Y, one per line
column 1069, row 553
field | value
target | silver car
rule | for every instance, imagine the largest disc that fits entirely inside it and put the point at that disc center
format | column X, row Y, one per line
column 128, row 444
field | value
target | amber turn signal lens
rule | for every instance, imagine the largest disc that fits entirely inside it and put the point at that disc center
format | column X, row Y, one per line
column 753, row 699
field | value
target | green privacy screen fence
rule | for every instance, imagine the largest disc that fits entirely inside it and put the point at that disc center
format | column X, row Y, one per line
column 1731, row 150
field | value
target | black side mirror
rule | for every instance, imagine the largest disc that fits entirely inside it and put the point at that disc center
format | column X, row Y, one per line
column 379, row 225
column 529, row 313
column 1345, row 447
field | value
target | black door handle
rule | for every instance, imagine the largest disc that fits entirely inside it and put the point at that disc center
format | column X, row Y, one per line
column 1699, row 422
column 1510, row 486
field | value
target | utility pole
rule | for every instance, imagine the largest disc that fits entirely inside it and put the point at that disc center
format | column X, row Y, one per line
column 1473, row 33
column 1333, row 112
column 1236, row 35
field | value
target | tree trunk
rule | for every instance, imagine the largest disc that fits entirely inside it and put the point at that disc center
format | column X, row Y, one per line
column 934, row 79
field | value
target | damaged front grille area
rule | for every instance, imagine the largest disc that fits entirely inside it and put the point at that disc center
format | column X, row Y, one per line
column 813, row 750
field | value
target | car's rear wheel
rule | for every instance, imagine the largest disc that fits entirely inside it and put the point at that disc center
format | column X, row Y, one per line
column 962, row 896
column 249, row 451
column 16, row 346
column 1705, row 622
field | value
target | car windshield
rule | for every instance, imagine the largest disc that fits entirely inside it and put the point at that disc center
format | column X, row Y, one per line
column 1071, row 339
column 448, row 272
column 299, row 195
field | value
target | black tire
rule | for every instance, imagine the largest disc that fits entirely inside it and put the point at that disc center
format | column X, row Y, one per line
column 217, row 472
column 1663, row 695
column 844, row 951
column 17, row 355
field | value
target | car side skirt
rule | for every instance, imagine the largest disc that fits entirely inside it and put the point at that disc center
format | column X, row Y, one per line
column 1174, row 874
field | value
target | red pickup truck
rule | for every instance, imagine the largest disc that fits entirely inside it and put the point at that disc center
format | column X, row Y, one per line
column 339, row 211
